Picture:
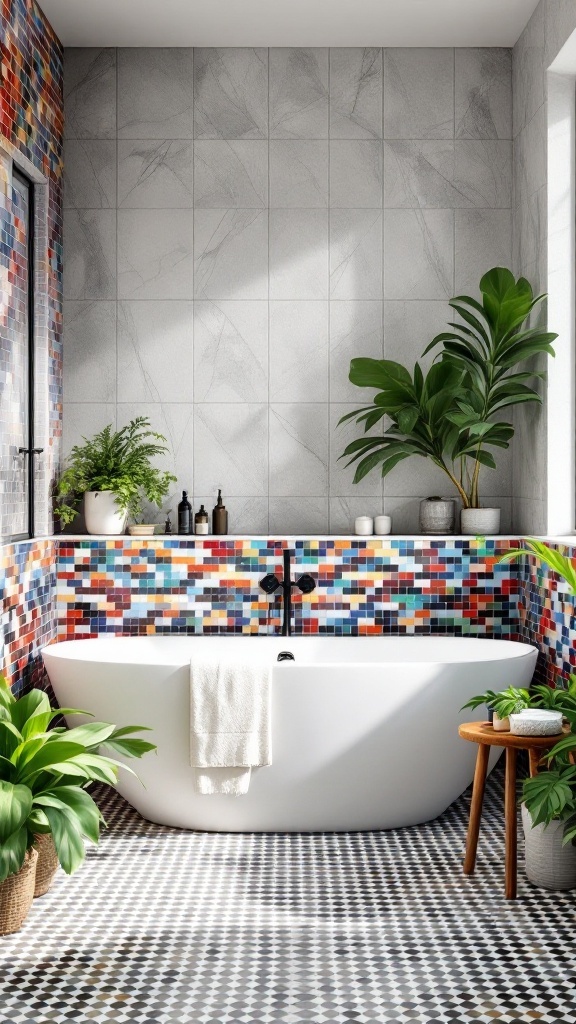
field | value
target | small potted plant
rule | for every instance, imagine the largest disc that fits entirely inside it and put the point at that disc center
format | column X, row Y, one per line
column 502, row 704
column 451, row 415
column 111, row 472
column 549, row 819
column 43, row 777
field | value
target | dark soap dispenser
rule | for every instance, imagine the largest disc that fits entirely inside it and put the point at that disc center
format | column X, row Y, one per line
column 184, row 515
column 219, row 517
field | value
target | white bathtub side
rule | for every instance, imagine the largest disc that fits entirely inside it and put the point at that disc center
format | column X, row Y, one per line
column 355, row 746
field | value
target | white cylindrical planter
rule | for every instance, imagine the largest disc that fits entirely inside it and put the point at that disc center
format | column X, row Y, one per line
column 549, row 864
column 437, row 515
column 382, row 525
column 500, row 724
column 364, row 526
column 481, row 521
column 102, row 514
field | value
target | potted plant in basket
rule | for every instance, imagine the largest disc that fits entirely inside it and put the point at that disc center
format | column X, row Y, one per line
column 43, row 777
column 112, row 471
column 451, row 415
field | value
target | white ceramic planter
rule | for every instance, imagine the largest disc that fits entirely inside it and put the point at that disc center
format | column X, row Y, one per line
column 437, row 515
column 500, row 724
column 481, row 521
column 102, row 514
column 549, row 864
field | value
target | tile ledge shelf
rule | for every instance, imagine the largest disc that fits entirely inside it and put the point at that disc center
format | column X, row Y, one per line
column 194, row 538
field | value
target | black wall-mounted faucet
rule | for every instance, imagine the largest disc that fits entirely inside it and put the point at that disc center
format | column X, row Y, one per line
column 271, row 583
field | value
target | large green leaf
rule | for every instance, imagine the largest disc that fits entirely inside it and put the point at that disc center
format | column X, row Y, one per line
column 92, row 734
column 13, row 853
column 76, row 803
column 67, row 839
column 32, row 703
column 54, row 752
column 15, row 806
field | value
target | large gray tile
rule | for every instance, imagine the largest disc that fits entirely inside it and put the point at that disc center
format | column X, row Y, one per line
column 298, row 351
column 483, row 93
column 299, row 516
column 231, row 449
column 299, row 450
column 447, row 175
column 483, row 172
column 298, row 254
column 154, row 174
column 90, row 93
column 410, row 326
column 341, row 434
column 560, row 22
column 90, row 174
column 356, row 92
column 230, row 174
column 298, row 173
column 231, row 351
column 155, row 254
column 530, row 516
column 417, row 477
column 89, row 351
column 530, row 150
column 231, row 254
column 404, row 512
column 90, row 247
column 483, row 239
column 418, row 254
column 247, row 517
column 231, row 93
column 155, row 93
column 81, row 420
column 529, row 238
column 529, row 69
column 298, row 93
column 155, row 351
column 345, row 510
column 356, row 254
column 175, row 421
column 355, row 331
column 356, row 174
column 418, row 93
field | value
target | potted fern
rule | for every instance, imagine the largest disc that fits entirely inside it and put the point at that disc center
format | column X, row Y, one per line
column 452, row 414
column 111, row 472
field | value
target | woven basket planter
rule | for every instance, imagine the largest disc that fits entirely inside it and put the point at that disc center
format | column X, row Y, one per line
column 549, row 864
column 47, row 864
column 16, row 895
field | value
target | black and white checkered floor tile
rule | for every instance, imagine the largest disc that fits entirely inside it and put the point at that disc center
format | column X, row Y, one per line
column 169, row 927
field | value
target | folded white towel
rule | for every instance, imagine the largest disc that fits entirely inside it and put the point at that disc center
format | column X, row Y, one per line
column 229, row 724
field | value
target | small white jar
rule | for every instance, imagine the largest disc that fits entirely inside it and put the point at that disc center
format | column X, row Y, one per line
column 382, row 525
column 364, row 526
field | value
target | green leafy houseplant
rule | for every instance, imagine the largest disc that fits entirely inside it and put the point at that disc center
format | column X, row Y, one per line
column 117, row 461
column 451, row 415
column 44, row 773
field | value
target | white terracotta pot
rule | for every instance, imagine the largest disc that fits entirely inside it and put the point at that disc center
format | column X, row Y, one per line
column 102, row 514
column 481, row 521
column 500, row 724
column 549, row 864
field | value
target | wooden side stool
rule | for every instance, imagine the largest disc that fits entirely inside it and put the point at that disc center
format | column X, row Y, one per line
column 485, row 736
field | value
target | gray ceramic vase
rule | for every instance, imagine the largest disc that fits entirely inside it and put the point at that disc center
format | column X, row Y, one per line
column 437, row 515
column 548, row 864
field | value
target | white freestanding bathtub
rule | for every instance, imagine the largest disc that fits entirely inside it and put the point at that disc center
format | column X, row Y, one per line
column 364, row 729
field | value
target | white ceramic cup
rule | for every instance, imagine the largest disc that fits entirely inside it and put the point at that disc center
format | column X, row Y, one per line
column 382, row 525
column 364, row 526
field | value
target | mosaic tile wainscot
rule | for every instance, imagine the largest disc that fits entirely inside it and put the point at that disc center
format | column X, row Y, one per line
column 548, row 618
column 389, row 585
column 27, row 609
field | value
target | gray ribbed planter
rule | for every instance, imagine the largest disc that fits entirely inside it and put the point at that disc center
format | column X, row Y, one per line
column 548, row 864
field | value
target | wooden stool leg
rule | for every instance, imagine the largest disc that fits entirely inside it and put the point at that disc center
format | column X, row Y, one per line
column 511, row 822
column 534, row 758
column 476, row 807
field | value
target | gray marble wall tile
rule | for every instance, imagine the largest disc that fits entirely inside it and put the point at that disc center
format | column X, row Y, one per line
column 298, row 449
column 342, row 475
column 90, row 174
column 418, row 254
column 155, row 254
column 155, row 174
column 530, row 516
column 529, row 70
column 483, row 239
column 356, row 174
column 304, row 516
column 231, row 351
column 231, row 449
column 231, row 254
column 483, row 93
column 404, row 512
column 530, row 238
column 416, row 477
column 90, row 93
column 90, row 246
column 530, row 150
column 83, row 419
column 147, row 331
column 230, row 174
column 355, row 330
column 298, row 351
column 298, row 93
column 418, row 93
column 231, row 93
column 560, row 22
column 419, row 173
column 356, row 254
column 246, row 516
column 356, row 92
column 298, row 173
column 175, row 421
column 155, row 93
column 90, row 351
column 344, row 511
column 409, row 326
column 298, row 254
column 483, row 172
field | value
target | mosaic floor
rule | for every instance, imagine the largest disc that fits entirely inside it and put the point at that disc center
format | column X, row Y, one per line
column 163, row 926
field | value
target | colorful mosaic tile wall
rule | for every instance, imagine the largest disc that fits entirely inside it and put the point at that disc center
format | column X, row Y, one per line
column 31, row 126
column 377, row 586
column 27, row 608
column 548, row 619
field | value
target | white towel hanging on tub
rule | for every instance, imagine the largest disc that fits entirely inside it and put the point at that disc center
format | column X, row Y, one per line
column 229, row 724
